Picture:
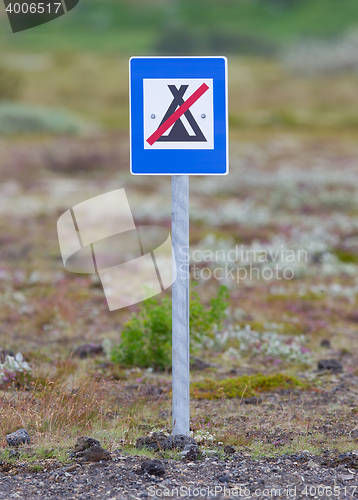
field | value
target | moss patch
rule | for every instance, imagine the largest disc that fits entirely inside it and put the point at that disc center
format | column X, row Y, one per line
column 346, row 256
column 245, row 385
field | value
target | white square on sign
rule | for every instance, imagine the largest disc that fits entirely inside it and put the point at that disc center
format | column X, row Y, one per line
column 193, row 125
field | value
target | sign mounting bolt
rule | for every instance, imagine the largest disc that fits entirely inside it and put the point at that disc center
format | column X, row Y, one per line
column 152, row 116
column 203, row 115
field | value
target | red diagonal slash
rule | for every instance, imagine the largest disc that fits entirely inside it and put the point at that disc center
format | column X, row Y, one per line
column 177, row 114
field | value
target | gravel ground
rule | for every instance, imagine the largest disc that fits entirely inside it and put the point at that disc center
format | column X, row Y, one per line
column 330, row 474
column 294, row 476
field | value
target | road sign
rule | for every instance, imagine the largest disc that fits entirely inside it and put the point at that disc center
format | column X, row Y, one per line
column 179, row 127
column 178, row 115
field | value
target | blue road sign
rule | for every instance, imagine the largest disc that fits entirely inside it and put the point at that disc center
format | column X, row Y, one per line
column 178, row 115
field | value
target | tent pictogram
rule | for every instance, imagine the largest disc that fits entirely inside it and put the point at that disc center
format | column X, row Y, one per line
column 178, row 113
column 179, row 132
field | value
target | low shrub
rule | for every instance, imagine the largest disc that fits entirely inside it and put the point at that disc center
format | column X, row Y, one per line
column 19, row 118
column 146, row 339
column 311, row 56
column 69, row 155
column 177, row 39
column 269, row 344
column 205, row 322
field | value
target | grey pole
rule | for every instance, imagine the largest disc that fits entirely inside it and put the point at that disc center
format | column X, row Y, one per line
column 180, row 307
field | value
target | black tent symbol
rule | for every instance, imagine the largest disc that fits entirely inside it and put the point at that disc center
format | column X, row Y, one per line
column 178, row 132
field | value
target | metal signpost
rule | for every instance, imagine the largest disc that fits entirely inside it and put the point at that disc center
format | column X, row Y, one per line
column 179, row 127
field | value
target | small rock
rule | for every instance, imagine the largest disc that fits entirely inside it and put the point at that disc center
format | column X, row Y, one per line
column 292, row 478
column 159, row 441
column 153, row 442
column 311, row 464
column 96, row 454
column 198, row 364
column 88, row 351
column 325, row 343
column 330, row 364
column 90, row 450
column 347, row 477
column 190, row 452
column 229, row 450
column 14, row 454
column 4, row 353
column 83, row 443
column 152, row 467
column 224, row 479
column 17, row 438
column 71, row 468
column 252, row 400
column 178, row 442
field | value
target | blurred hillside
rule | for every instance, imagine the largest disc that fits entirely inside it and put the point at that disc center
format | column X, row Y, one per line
column 281, row 52
column 186, row 26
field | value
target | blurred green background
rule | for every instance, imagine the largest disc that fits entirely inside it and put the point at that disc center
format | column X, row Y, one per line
column 186, row 26
column 79, row 60
column 280, row 52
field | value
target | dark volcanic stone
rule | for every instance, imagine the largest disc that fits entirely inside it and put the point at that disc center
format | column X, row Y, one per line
column 90, row 450
column 330, row 364
column 83, row 443
column 17, row 438
column 152, row 467
column 224, row 479
column 198, row 364
column 253, row 400
column 325, row 343
column 190, row 452
column 4, row 353
column 178, row 442
column 153, row 442
column 229, row 450
column 159, row 441
column 88, row 351
column 96, row 453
